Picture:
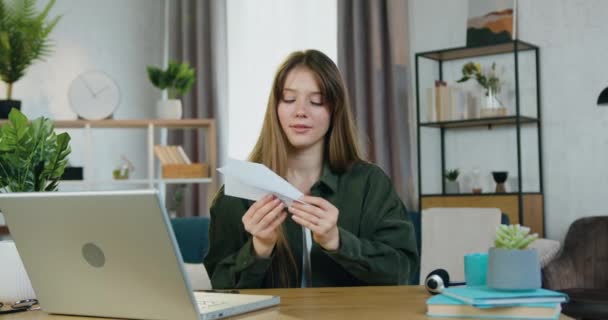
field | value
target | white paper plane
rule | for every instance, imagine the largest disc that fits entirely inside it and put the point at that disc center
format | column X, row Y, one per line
column 250, row 180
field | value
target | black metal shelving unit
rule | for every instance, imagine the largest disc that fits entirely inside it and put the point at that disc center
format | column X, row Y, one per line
column 517, row 121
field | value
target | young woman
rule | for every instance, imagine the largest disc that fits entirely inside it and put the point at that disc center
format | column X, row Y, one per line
column 353, row 229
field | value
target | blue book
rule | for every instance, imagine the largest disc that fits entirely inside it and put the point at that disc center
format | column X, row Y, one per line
column 445, row 307
column 483, row 296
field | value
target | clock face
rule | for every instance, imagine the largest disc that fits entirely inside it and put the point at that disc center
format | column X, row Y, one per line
column 94, row 95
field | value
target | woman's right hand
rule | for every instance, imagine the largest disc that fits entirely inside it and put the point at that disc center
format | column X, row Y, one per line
column 262, row 220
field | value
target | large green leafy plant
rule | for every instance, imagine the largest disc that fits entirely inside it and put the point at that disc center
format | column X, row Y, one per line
column 24, row 38
column 178, row 78
column 32, row 156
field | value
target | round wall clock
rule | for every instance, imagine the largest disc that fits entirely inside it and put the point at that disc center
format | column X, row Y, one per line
column 94, row 95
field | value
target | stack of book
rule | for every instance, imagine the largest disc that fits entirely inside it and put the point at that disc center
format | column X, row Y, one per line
column 175, row 164
column 483, row 302
column 450, row 103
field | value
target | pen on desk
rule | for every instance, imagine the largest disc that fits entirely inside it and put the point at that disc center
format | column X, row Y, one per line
column 220, row 291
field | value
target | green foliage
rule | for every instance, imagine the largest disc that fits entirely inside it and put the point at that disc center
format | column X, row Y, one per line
column 513, row 237
column 487, row 81
column 24, row 37
column 178, row 78
column 32, row 156
column 178, row 197
column 451, row 175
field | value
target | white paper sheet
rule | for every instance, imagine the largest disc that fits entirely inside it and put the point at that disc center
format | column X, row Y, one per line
column 249, row 180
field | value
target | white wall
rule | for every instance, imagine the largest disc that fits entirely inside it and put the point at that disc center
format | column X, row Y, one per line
column 260, row 35
column 114, row 36
column 570, row 35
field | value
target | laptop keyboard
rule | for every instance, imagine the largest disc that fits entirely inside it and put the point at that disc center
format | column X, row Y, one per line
column 204, row 303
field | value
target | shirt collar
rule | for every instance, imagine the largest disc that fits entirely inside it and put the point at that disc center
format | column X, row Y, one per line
column 329, row 178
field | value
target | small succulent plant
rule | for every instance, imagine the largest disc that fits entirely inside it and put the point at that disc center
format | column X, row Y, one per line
column 451, row 175
column 513, row 237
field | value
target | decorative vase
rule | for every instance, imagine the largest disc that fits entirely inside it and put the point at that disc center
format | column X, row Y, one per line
column 15, row 282
column 513, row 269
column 500, row 177
column 491, row 105
column 452, row 187
column 169, row 109
column 7, row 105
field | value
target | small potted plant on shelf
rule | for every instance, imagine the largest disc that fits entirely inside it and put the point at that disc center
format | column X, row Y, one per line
column 177, row 199
column 177, row 79
column 492, row 106
column 511, row 265
column 451, row 183
column 24, row 38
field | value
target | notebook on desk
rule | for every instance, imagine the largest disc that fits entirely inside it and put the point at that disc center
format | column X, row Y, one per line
column 110, row 254
column 482, row 296
column 442, row 306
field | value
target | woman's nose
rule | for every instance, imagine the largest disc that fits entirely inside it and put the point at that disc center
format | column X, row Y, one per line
column 300, row 109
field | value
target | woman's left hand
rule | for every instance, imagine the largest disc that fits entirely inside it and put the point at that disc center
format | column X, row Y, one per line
column 321, row 217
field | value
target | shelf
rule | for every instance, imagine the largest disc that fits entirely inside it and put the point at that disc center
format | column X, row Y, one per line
column 135, row 181
column 481, row 122
column 122, row 124
column 485, row 194
column 472, row 52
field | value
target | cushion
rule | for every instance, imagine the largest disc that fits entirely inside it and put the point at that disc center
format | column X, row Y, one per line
column 547, row 250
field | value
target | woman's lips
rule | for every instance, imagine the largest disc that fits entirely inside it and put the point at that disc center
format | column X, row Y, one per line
column 300, row 128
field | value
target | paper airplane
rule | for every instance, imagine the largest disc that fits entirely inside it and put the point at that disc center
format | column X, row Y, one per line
column 250, row 180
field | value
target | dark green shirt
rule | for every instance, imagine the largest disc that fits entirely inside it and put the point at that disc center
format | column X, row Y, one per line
column 377, row 240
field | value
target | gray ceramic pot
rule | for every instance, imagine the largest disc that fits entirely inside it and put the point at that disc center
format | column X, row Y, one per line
column 511, row 269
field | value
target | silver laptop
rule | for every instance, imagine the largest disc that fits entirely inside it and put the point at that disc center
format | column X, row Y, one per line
column 110, row 254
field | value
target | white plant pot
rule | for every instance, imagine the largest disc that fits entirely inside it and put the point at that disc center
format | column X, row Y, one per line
column 169, row 109
column 15, row 285
column 452, row 187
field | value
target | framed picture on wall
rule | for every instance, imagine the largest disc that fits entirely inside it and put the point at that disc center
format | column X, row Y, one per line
column 491, row 22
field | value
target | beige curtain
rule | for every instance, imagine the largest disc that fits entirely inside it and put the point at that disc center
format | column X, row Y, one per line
column 197, row 35
column 373, row 55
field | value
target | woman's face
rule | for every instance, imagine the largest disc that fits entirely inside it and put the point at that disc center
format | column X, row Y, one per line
column 303, row 112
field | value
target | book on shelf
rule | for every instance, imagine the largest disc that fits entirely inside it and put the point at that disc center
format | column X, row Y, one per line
column 482, row 296
column 449, row 103
column 171, row 155
column 445, row 307
column 183, row 155
column 175, row 164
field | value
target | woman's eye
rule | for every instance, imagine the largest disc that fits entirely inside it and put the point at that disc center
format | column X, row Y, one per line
column 289, row 100
column 317, row 103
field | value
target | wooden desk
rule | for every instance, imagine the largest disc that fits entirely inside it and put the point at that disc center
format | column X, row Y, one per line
column 403, row 302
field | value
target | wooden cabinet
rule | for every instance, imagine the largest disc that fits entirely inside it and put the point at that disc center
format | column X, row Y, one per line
column 507, row 203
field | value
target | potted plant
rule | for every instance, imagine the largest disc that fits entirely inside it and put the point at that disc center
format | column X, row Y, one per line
column 492, row 107
column 177, row 79
column 511, row 265
column 24, row 38
column 451, row 183
column 177, row 200
column 32, row 156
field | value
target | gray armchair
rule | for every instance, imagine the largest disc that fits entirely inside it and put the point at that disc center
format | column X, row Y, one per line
column 581, row 269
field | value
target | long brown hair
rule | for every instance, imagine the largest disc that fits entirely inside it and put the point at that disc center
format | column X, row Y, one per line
column 341, row 143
